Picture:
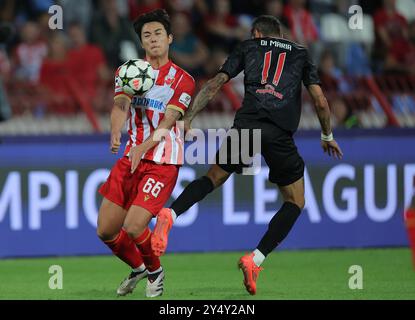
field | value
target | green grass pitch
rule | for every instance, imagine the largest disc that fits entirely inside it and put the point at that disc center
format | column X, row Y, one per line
column 310, row 274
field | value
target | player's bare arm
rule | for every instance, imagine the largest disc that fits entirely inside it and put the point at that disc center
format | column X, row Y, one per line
column 136, row 153
column 119, row 115
column 321, row 106
column 207, row 93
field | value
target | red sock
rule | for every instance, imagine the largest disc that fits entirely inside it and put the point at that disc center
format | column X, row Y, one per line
column 125, row 249
column 143, row 243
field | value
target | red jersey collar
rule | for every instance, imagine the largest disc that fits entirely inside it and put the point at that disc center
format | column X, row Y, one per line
column 165, row 66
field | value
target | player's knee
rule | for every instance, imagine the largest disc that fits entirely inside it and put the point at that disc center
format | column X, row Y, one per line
column 216, row 179
column 301, row 203
column 105, row 235
column 298, row 201
column 134, row 230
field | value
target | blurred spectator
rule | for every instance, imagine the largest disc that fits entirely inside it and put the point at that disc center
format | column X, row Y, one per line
column 370, row 6
column 202, row 7
column 5, row 110
column 222, row 27
column 276, row 8
column 216, row 59
column 391, row 36
column 113, row 33
column 406, row 8
column 227, row 98
column 80, row 11
column 42, row 5
column 43, row 23
column 19, row 12
column 187, row 50
column 5, row 65
column 6, row 33
column 409, row 59
column 29, row 54
column 331, row 76
column 253, row 8
column 334, row 84
column 181, row 5
column 87, row 62
column 55, row 75
column 303, row 29
column 137, row 7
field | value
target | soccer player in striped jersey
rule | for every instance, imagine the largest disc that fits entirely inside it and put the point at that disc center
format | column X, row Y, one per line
column 143, row 179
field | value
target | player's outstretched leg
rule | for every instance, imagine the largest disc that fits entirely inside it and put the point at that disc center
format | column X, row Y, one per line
column 278, row 228
column 192, row 194
column 161, row 231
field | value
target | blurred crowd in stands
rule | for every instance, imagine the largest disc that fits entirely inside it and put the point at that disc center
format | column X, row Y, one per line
column 44, row 71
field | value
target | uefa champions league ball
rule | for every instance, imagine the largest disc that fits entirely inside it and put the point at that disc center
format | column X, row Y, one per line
column 136, row 77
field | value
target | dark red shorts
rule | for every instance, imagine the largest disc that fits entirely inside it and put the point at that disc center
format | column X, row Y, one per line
column 149, row 187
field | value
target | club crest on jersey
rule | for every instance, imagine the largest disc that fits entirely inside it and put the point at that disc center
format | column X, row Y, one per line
column 146, row 197
column 168, row 80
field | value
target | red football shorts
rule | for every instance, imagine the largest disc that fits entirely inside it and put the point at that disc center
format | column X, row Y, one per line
column 149, row 187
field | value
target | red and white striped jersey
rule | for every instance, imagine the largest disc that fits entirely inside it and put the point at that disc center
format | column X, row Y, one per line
column 173, row 88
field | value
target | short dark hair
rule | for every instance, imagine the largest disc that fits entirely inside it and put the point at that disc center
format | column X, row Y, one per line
column 158, row 15
column 267, row 25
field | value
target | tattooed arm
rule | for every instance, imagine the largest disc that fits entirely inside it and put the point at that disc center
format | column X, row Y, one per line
column 207, row 93
column 321, row 105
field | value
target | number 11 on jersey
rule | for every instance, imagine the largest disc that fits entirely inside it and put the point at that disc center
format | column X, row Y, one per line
column 278, row 71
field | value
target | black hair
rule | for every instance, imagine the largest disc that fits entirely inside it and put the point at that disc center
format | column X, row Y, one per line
column 158, row 15
column 267, row 25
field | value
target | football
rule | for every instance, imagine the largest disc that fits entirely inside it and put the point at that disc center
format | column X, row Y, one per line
column 136, row 77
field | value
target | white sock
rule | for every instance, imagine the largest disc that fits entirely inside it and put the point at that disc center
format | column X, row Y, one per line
column 155, row 271
column 140, row 268
column 173, row 215
column 258, row 257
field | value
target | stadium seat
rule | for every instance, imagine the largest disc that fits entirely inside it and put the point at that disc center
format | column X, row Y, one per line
column 334, row 28
column 367, row 34
column 406, row 8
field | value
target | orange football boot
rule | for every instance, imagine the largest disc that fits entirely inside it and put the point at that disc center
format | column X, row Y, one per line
column 251, row 272
column 161, row 232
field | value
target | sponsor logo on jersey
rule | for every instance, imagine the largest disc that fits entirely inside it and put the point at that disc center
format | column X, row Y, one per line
column 148, row 103
column 146, row 197
column 269, row 89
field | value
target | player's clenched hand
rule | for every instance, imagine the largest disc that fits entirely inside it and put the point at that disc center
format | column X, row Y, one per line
column 115, row 142
column 187, row 126
column 188, row 130
column 136, row 153
column 332, row 148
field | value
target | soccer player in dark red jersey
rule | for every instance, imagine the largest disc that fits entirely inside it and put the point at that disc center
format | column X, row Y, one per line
column 143, row 179
column 275, row 70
